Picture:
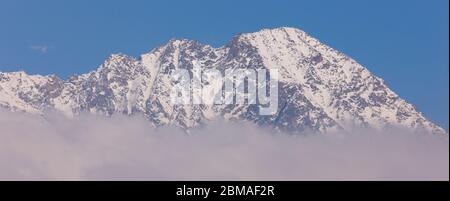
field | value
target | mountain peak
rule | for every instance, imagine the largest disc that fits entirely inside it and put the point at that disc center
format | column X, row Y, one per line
column 15, row 73
column 275, row 34
column 181, row 42
column 119, row 57
column 118, row 61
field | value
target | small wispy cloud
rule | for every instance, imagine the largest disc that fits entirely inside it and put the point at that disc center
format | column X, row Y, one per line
column 43, row 49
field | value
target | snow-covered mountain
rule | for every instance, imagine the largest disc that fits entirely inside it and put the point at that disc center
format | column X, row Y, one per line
column 320, row 89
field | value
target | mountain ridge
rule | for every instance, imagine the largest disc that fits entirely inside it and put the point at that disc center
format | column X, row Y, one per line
column 320, row 88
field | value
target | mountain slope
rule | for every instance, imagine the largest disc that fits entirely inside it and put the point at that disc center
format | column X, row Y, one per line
column 320, row 89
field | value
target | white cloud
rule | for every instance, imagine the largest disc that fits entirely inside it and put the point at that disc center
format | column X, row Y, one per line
column 43, row 49
column 90, row 147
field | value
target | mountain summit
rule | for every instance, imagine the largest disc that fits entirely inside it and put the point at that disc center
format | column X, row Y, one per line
column 320, row 89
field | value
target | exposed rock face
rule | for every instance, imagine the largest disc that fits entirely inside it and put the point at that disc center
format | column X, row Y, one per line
column 320, row 89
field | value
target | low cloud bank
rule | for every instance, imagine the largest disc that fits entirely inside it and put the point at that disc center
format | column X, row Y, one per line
column 90, row 147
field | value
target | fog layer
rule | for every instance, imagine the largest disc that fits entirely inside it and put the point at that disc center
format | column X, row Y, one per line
column 90, row 147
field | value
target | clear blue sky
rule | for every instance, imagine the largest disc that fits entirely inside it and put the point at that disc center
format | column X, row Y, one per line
column 404, row 42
